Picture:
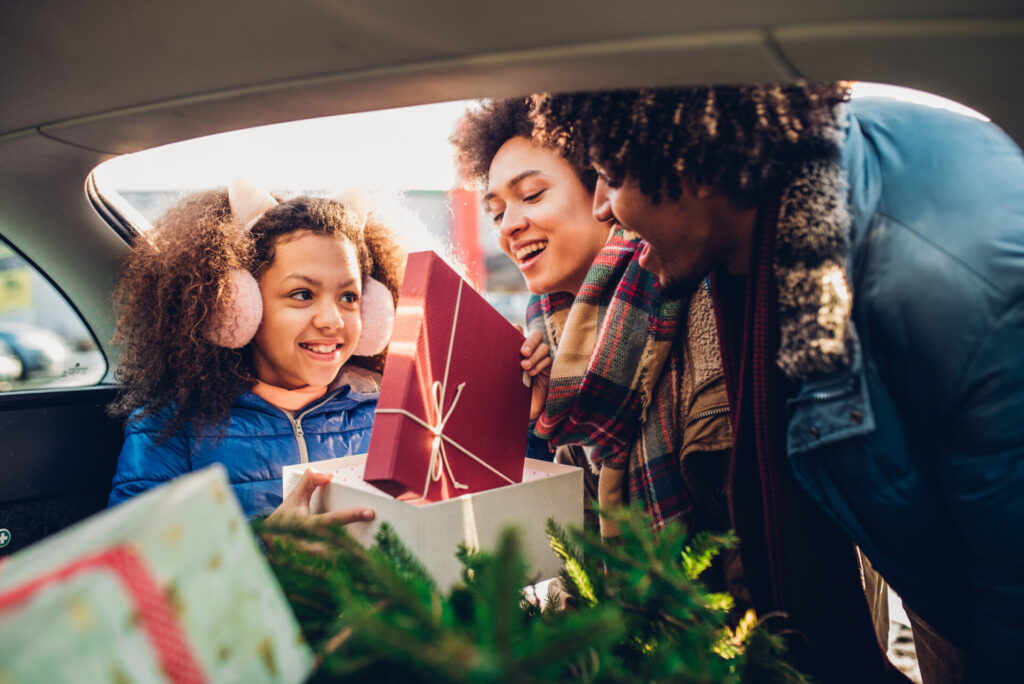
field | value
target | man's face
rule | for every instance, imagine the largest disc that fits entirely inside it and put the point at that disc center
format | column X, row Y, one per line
column 677, row 235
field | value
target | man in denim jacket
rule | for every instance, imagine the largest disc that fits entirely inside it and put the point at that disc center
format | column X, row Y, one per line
column 868, row 268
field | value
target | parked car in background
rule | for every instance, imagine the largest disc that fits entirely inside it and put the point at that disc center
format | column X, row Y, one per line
column 43, row 354
column 10, row 367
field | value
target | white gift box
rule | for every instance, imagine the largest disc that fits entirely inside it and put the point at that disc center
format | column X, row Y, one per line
column 433, row 531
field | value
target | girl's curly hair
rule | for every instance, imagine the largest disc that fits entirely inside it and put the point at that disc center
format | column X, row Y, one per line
column 746, row 141
column 482, row 131
column 176, row 278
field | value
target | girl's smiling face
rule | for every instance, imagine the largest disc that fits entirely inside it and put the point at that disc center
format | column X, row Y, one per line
column 543, row 214
column 311, row 311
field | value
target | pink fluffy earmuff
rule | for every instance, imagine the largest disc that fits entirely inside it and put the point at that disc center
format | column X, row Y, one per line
column 235, row 325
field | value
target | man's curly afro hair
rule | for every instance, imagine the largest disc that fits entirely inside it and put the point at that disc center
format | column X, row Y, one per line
column 482, row 131
column 746, row 141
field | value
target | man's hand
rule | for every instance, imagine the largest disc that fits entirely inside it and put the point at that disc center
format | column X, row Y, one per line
column 296, row 504
column 537, row 364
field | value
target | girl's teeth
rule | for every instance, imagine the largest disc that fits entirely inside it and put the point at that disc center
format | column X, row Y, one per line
column 321, row 348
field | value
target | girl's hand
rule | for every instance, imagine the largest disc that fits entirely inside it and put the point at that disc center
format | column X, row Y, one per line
column 296, row 504
column 537, row 363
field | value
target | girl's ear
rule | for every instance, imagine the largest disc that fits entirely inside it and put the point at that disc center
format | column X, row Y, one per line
column 354, row 199
column 248, row 202
column 235, row 325
column 377, row 308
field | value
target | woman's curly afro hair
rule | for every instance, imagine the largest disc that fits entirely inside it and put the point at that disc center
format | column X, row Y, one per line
column 746, row 141
column 177, row 276
column 482, row 131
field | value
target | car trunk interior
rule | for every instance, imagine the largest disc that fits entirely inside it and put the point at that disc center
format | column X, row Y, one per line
column 83, row 82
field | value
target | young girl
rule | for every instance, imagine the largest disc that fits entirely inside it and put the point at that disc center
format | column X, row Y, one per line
column 252, row 336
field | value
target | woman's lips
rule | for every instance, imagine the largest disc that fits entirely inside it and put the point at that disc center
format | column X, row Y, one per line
column 530, row 261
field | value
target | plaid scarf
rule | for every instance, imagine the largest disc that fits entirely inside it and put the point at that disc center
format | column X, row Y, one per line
column 616, row 376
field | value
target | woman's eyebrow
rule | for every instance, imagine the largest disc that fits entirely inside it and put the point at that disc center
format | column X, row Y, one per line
column 516, row 180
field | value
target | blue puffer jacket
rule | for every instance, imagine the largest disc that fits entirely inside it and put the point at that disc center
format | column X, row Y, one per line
column 918, row 451
column 259, row 441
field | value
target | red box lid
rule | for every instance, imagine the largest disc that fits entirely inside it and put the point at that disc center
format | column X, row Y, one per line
column 447, row 335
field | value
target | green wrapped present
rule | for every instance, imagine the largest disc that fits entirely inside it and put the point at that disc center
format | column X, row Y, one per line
column 168, row 587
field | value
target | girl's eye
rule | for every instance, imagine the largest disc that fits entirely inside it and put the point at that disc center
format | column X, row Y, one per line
column 496, row 219
column 535, row 196
column 302, row 295
column 350, row 297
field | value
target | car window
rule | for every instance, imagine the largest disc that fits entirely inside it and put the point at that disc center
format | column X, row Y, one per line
column 400, row 157
column 43, row 342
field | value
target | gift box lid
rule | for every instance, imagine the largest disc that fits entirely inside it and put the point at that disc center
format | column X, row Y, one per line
column 453, row 411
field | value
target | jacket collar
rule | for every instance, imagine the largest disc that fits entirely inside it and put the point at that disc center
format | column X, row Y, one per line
column 812, row 243
column 359, row 386
column 364, row 384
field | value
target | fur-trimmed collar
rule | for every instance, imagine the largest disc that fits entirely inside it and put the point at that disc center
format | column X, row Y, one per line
column 815, row 300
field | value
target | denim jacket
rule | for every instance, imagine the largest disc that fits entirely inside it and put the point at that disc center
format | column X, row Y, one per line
column 917, row 450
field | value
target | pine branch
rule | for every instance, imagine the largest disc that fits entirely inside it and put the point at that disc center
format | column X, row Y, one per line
column 640, row 612
column 394, row 552
column 574, row 576
column 703, row 548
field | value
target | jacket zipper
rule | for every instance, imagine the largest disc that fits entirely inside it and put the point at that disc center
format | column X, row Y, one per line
column 300, row 437
column 721, row 410
column 828, row 396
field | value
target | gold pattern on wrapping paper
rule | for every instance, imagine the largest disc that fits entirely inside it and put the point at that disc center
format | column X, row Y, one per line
column 268, row 656
column 215, row 563
column 173, row 597
column 173, row 534
column 118, row 675
column 81, row 615
column 219, row 493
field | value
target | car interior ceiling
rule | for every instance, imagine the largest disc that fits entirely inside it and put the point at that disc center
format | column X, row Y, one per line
column 84, row 82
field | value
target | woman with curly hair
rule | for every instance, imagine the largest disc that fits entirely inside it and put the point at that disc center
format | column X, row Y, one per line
column 253, row 334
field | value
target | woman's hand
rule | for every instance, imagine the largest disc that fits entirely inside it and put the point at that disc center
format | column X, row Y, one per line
column 537, row 363
column 296, row 504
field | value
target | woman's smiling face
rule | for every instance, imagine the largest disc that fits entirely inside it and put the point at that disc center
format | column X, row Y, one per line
column 311, row 311
column 544, row 216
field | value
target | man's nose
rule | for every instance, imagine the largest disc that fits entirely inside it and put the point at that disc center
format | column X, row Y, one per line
column 602, row 202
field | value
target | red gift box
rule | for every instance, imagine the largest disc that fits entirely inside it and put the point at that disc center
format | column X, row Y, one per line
column 453, row 410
